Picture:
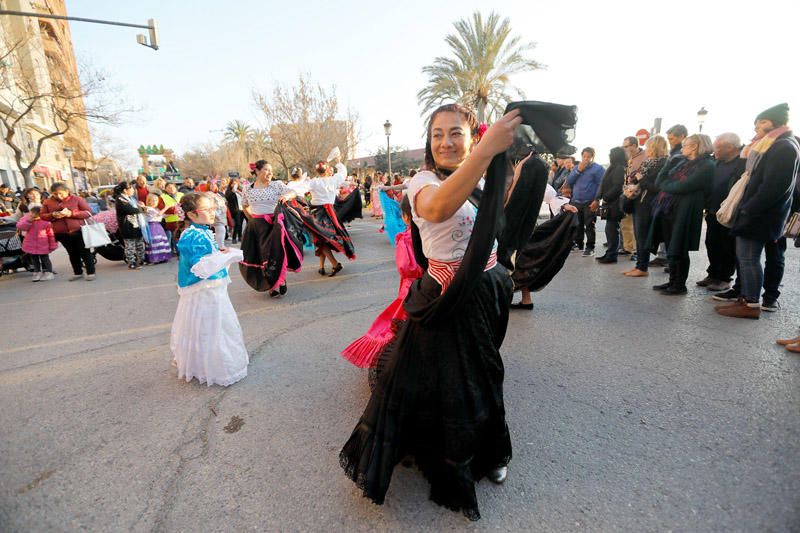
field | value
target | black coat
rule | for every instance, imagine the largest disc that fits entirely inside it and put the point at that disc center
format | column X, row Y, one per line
column 610, row 191
column 765, row 203
column 127, row 220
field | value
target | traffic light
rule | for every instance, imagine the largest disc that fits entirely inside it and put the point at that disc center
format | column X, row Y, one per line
column 153, row 33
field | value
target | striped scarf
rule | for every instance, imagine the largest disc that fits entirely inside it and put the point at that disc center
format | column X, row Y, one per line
column 754, row 151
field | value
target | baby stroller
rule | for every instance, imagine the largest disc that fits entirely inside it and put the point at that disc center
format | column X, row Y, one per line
column 12, row 257
column 114, row 251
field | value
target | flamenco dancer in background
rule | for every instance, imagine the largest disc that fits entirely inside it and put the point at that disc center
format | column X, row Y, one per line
column 439, row 395
column 271, row 243
column 348, row 205
column 365, row 351
column 329, row 234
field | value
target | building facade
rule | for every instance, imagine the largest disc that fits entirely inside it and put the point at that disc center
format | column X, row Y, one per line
column 42, row 58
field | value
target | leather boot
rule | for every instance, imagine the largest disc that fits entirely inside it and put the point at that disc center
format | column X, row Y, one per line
column 741, row 309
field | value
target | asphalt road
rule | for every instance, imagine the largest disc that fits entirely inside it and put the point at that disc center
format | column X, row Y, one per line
column 628, row 410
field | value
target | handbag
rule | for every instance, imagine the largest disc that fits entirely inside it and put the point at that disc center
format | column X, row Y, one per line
column 728, row 207
column 94, row 234
column 792, row 227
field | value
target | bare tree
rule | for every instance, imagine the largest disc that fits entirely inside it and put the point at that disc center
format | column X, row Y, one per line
column 304, row 122
column 23, row 101
column 111, row 156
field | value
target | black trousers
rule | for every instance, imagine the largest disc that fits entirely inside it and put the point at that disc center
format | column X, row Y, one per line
column 238, row 218
column 79, row 255
column 586, row 225
column 721, row 250
column 643, row 217
column 612, row 236
column 774, row 265
column 41, row 263
column 678, row 263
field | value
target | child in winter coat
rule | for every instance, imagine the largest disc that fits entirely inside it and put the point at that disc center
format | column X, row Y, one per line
column 39, row 242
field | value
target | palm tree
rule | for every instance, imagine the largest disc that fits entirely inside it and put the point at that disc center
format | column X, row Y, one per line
column 238, row 131
column 485, row 57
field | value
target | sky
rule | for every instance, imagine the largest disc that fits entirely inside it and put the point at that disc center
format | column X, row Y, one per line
column 622, row 63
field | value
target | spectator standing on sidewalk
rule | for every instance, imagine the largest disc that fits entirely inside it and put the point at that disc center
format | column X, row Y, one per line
column 678, row 213
column 675, row 136
column 610, row 193
column 67, row 213
column 645, row 181
column 584, row 181
column 720, row 244
column 773, row 158
column 636, row 157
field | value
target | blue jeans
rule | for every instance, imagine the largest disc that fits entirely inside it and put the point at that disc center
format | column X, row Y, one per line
column 751, row 273
column 772, row 272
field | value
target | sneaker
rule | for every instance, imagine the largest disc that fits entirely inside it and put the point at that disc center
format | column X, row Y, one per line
column 89, row 277
column 728, row 296
column 576, row 248
column 770, row 305
column 624, row 252
column 37, row 276
column 661, row 287
column 706, row 281
column 605, row 260
column 657, row 262
column 589, row 252
column 719, row 286
column 47, row 276
column 76, row 277
column 674, row 289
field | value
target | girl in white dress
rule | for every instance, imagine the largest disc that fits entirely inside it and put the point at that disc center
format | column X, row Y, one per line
column 207, row 341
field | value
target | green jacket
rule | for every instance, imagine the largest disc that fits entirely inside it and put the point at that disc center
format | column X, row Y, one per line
column 689, row 201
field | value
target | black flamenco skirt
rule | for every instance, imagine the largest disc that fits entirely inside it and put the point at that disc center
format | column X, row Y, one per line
column 270, row 250
column 439, row 399
column 350, row 208
column 545, row 252
column 326, row 230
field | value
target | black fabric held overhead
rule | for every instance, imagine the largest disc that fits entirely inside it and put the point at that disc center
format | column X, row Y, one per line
column 522, row 210
column 553, row 124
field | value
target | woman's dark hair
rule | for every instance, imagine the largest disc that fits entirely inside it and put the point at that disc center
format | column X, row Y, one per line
column 58, row 186
column 469, row 117
column 35, row 210
column 261, row 163
column 119, row 188
column 617, row 157
column 321, row 168
column 405, row 206
column 23, row 204
column 296, row 172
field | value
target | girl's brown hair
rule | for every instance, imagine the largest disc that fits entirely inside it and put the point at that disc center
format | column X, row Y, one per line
column 189, row 203
column 469, row 117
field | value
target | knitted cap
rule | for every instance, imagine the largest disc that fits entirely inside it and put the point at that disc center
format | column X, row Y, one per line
column 779, row 114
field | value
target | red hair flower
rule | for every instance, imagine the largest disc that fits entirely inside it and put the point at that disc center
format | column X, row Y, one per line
column 252, row 166
column 482, row 127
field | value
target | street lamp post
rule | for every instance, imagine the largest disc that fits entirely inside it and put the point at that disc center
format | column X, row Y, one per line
column 68, row 153
column 387, row 129
column 701, row 117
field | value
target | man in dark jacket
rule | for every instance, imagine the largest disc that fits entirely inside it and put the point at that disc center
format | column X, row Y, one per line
column 773, row 159
column 720, row 244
